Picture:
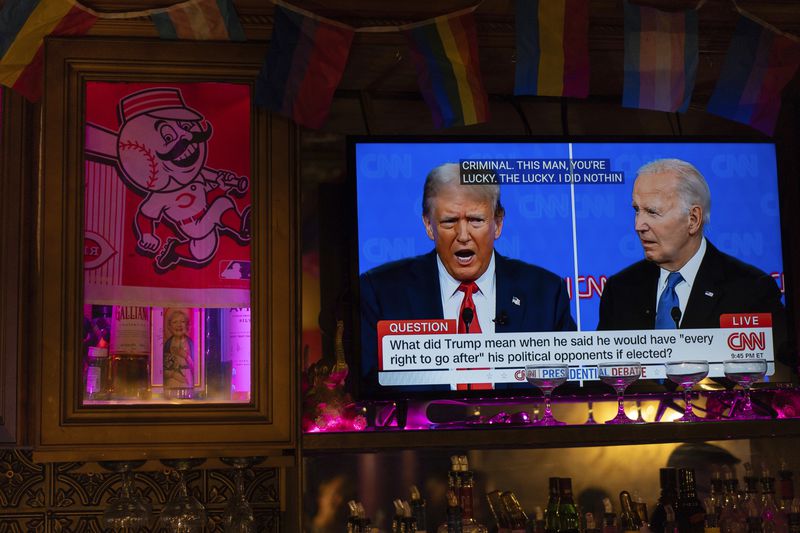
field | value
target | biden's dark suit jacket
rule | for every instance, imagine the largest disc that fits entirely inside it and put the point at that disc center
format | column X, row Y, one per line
column 723, row 285
column 528, row 298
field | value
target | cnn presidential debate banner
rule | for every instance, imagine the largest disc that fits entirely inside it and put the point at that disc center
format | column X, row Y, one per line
column 580, row 229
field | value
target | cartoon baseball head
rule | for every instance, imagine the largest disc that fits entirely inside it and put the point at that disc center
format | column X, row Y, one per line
column 162, row 145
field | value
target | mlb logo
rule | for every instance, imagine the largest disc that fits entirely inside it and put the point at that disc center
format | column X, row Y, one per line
column 234, row 270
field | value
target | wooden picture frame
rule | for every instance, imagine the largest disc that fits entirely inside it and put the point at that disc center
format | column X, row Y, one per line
column 65, row 428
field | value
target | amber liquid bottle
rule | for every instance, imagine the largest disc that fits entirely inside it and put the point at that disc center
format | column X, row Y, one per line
column 130, row 353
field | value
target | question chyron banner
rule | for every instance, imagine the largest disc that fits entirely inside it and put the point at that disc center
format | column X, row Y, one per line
column 429, row 352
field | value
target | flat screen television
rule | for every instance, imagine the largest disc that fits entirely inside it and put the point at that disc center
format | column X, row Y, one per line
column 569, row 225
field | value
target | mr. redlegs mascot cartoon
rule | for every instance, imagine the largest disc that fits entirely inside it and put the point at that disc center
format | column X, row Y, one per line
column 161, row 150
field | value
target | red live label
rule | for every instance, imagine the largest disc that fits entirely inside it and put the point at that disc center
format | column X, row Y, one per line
column 412, row 327
column 745, row 320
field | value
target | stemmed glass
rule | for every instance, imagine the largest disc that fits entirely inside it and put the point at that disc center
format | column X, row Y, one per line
column 745, row 372
column 547, row 377
column 127, row 511
column 687, row 374
column 239, row 517
column 183, row 513
column 619, row 376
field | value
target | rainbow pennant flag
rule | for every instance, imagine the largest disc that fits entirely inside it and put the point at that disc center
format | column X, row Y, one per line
column 201, row 20
column 552, row 48
column 759, row 64
column 23, row 26
column 303, row 66
column 660, row 58
column 445, row 54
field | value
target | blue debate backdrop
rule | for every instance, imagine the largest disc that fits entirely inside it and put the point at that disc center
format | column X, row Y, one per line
column 541, row 219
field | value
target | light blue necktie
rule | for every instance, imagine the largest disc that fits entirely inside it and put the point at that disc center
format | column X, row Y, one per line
column 668, row 301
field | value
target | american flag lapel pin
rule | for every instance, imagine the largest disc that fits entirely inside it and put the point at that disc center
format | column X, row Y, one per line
column 515, row 300
column 709, row 294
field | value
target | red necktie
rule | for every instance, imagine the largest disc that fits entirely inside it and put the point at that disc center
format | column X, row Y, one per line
column 474, row 327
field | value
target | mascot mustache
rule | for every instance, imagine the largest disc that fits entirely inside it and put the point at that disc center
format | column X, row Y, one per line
column 182, row 144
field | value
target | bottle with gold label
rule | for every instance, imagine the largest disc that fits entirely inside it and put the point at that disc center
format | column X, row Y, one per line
column 130, row 353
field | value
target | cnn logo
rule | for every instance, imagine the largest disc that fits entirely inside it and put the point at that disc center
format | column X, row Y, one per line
column 741, row 341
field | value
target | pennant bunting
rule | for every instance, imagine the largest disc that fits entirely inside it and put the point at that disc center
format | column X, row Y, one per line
column 660, row 58
column 552, row 48
column 759, row 64
column 445, row 54
column 303, row 66
column 23, row 26
column 201, row 20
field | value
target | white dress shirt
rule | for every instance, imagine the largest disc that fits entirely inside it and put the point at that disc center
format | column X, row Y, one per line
column 689, row 273
column 484, row 298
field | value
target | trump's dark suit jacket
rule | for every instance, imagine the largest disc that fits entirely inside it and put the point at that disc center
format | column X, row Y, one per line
column 723, row 285
column 528, row 298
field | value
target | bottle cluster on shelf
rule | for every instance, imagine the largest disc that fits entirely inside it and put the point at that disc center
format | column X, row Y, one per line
column 143, row 354
column 756, row 508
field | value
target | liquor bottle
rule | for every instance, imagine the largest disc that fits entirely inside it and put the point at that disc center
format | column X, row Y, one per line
column 418, row 509
column 689, row 512
column 352, row 519
column 732, row 519
column 670, row 522
column 518, row 519
column 794, row 516
column 364, row 524
column 786, row 488
column 628, row 518
column 467, row 484
column 454, row 523
column 591, row 524
column 454, row 476
column 409, row 521
column 551, row 521
column 717, row 491
column 470, row 525
column 96, row 371
column 569, row 518
column 398, row 525
column 498, row 510
column 640, row 507
column 752, row 500
column 609, row 517
column 237, row 332
column 538, row 520
column 130, row 353
column 668, row 497
column 773, row 520
column 712, row 518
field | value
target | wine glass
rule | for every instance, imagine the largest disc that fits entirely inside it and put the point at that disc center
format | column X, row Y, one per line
column 127, row 511
column 619, row 376
column 239, row 517
column 183, row 513
column 687, row 374
column 745, row 372
column 547, row 377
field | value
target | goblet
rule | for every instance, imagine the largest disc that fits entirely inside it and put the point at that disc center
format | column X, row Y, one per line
column 127, row 511
column 619, row 376
column 238, row 517
column 745, row 372
column 183, row 513
column 687, row 374
column 547, row 377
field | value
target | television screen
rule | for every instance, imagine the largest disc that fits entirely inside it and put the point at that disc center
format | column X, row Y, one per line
column 461, row 289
